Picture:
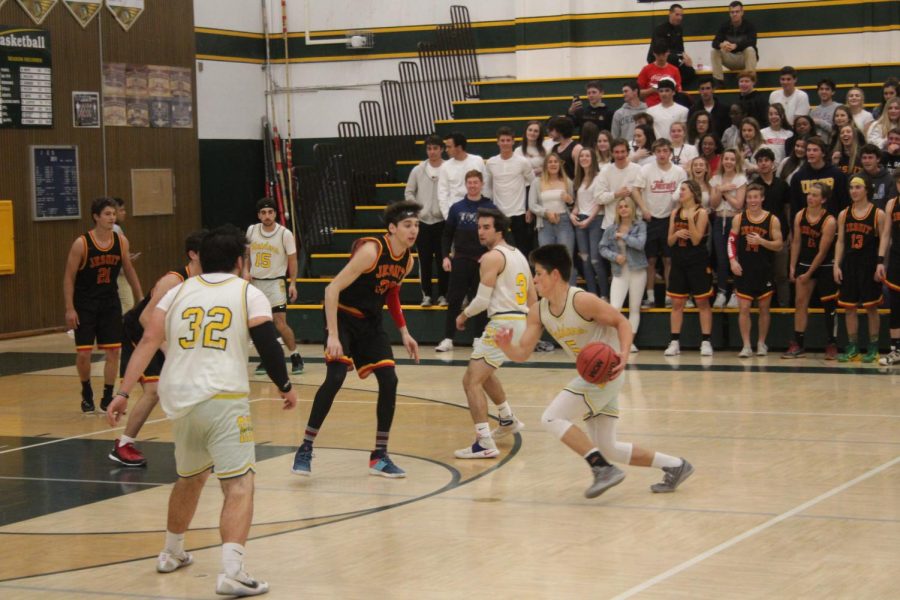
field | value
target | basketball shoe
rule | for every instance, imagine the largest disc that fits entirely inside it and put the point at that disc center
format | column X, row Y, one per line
column 166, row 563
column 302, row 460
column 381, row 464
column 674, row 476
column 484, row 447
column 850, row 355
column 891, row 359
column 127, row 455
column 506, row 428
column 605, row 477
column 240, row 585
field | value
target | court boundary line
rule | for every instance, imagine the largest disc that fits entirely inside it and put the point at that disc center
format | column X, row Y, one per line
column 684, row 566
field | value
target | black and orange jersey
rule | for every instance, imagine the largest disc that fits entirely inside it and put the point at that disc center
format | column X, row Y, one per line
column 684, row 252
column 100, row 265
column 810, row 233
column 750, row 257
column 861, row 235
column 365, row 297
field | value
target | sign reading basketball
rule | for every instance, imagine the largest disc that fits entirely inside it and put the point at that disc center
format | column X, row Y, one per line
column 596, row 362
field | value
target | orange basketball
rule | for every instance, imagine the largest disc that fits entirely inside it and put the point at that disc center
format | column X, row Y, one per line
column 596, row 361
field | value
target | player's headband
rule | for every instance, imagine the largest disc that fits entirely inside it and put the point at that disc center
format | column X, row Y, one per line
column 406, row 214
column 858, row 181
column 266, row 204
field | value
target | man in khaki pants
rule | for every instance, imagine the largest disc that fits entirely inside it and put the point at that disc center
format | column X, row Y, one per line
column 734, row 46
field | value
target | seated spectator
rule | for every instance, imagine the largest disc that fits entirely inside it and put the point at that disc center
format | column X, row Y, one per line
column 754, row 103
column 796, row 158
column 891, row 157
column 729, row 186
column 509, row 176
column 452, row 178
column 888, row 91
column 650, row 76
column 734, row 46
column 751, row 141
column 698, row 171
column 603, row 148
column 731, row 137
column 818, row 167
column 803, row 126
column 623, row 119
column 708, row 104
column 794, row 101
column 550, row 198
column 588, row 136
column 534, row 146
column 889, row 119
column 682, row 152
column 876, row 176
column 776, row 200
column 623, row 246
column 641, row 145
column 711, row 151
column 856, row 102
column 699, row 124
column 560, row 130
column 594, row 111
column 845, row 152
column 666, row 112
column 671, row 33
column 777, row 133
column 422, row 188
column 823, row 114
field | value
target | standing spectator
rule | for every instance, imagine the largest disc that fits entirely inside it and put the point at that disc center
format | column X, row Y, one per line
column 795, row 102
column 876, row 176
column 603, row 148
column 623, row 246
column 641, row 145
column 889, row 119
column 588, row 222
column 751, row 141
column 756, row 235
column 731, row 137
column 754, row 103
column 125, row 296
column 891, row 157
column 461, row 251
column 422, row 188
column 509, row 176
column 734, row 46
column 856, row 102
column 823, row 114
column 560, row 130
column 682, row 152
column 792, row 163
column 729, row 187
column 818, row 169
column 845, row 152
column 452, row 178
column 623, row 119
column 550, row 199
column 657, row 185
column 667, row 111
column 534, row 147
column 711, row 151
column 594, row 111
column 709, row 104
column 776, row 200
column 671, row 33
column 617, row 181
column 650, row 76
column 699, row 172
column 888, row 91
column 588, row 136
column 777, row 134
column 699, row 124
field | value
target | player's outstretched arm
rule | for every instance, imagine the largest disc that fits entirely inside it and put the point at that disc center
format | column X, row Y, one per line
column 522, row 351
column 265, row 338
column 603, row 314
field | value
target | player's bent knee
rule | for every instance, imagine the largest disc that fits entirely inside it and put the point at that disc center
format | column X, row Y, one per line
column 387, row 377
column 554, row 425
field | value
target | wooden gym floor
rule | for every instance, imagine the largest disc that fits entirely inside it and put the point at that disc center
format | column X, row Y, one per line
column 796, row 491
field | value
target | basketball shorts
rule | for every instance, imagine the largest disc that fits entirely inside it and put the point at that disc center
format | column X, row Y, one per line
column 657, row 238
column 599, row 399
column 859, row 288
column 485, row 348
column 275, row 291
column 132, row 333
column 99, row 320
column 215, row 434
column 826, row 288
column 754, row 285
column 365, row 343
column 690, row 280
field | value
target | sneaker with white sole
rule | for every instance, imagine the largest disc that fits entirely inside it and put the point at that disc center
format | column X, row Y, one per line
column 668, row 302
column 240, row 585
column 446, row 345
column 706, row 349
column 762, row 349
column 506, row 428
column 634, row 349
column 890, row 359
column 381, row 464
column 442, row 301
column 733, row 302
column 674, row 349
column 690, row 303
column 720, row 300
column 746, row 352
column 303, row 461
column 426, row 301
column 674, row 476
column 605, row 477
column 166, row 563
column 648, row 303
column 482, row 448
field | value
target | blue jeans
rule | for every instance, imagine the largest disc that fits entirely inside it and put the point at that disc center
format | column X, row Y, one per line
column 559, row 233
column 589, row 248
column 721, row 227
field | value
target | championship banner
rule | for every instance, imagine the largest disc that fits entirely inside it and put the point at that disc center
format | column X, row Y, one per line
column 37, row 9
column 126, row 12
column 84, row 12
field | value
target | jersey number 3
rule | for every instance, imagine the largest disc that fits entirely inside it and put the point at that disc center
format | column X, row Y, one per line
column 521, row 289
column 206, row 327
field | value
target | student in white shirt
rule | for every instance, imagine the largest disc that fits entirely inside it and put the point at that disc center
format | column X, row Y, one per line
column 794, row 101
column 856, row 102
column 452, row 180
column 682, row 151
column 587, row 221
column 777, row 133
column 509, row 175
column 667, row 111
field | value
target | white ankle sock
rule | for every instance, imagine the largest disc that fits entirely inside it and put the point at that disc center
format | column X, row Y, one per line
column 174, row 543
column 232, row 558
column 661, row 460
column 482, row 430
column 124, row 440
column 505, row 411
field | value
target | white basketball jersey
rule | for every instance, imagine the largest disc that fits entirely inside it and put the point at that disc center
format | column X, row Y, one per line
column 571, row 330
column 513, row 282
column 269, row 251
column 207, row 344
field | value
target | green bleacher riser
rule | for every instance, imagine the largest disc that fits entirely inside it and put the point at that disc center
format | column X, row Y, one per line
column 404, row 167
column 765, row 78
column 389, row 192
column 486, row 129
column 368, row 218
column 427, row 326
column 313, row 291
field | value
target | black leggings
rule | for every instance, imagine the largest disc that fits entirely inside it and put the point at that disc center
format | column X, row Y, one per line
column 335, row 375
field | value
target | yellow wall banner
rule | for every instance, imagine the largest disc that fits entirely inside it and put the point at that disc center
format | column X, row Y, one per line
column 84, row 12
column 37, row 9
column 126, row 12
